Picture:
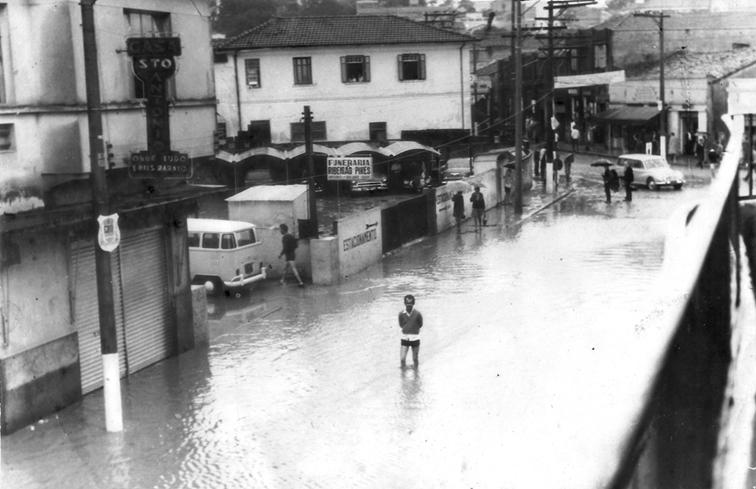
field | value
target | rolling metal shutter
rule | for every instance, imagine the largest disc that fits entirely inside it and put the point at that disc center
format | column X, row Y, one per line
column 87, row 317
column 149, row 333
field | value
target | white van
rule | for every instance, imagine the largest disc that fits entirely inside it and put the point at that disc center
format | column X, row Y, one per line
column 224, row 255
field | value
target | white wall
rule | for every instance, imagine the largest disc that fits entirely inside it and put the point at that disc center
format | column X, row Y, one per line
column 440, row 101
column 360, row 241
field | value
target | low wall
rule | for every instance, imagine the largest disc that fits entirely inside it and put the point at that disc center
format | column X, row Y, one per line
column 39, row 381
column 199, row 315
column 360, row 241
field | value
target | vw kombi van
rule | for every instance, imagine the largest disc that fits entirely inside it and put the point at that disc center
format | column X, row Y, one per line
column 224, row 255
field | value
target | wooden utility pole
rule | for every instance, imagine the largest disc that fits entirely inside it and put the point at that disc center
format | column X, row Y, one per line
column 517, row 106
column 658, row 18
column 311, row 169
column 101, row 205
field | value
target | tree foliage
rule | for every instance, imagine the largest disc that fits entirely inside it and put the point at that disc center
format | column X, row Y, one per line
column 236, row 16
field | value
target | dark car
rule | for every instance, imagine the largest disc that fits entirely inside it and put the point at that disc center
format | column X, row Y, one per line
column 377, row 183
column 456, row 169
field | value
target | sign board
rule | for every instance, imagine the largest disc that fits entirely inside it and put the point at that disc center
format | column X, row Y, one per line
column 153, row 46
column 349, row 168
column 109, row 234
column 173, row 164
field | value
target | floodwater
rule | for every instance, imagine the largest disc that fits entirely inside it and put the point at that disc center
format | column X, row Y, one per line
column 524, row 360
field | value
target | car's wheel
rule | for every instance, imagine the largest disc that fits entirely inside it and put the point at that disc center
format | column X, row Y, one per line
column 678, row 186
column 651, row 184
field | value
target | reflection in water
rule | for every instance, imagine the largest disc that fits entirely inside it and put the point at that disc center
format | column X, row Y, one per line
column 302, row 388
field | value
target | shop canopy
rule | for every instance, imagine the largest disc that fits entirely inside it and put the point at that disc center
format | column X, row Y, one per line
column 629, row 113
column 347, row 149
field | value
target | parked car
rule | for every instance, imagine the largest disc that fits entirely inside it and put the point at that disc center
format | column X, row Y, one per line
column 652, row 171
column 224, row 255
column 377, row 183
column 456, row 169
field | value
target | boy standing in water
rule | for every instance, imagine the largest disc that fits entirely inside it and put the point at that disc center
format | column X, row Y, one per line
column 410, row 320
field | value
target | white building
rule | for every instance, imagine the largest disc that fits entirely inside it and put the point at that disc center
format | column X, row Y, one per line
column 49, row 336
column 364, row 78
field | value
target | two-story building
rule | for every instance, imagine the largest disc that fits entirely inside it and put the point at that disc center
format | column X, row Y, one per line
column 365, row 78
column 49, row 320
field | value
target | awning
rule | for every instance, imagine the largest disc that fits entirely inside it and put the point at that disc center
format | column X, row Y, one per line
column 629, row 113
column 589, row 79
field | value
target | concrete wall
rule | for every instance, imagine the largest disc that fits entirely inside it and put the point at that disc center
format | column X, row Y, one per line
column 441, row 101
column 199, row 316
column 325, row 260
column 39, row 381
column 360, row 241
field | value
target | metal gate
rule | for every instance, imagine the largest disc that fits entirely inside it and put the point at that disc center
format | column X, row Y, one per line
column 140, row 300
column 146, row 308
column 86, row 315
column 404, row 222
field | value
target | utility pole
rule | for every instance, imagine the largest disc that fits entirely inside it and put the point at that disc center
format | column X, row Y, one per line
column 517, row 106
column 101, row 207
column 658, row 18
column 311, row 169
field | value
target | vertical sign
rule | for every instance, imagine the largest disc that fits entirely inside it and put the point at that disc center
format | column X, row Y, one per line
column 154, row 64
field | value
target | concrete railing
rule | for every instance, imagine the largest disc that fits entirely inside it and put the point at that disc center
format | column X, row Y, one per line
column 688, row 426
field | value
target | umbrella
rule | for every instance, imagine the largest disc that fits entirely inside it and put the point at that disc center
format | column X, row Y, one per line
column 605, row 163
column 509, row 165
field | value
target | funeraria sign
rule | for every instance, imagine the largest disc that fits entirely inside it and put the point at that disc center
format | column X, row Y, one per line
column 154, row 63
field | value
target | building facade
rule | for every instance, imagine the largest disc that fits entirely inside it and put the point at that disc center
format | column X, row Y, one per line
column 365, row 78
column 49, row 345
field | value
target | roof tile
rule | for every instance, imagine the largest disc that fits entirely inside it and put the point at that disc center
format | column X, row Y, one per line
column 280, row 32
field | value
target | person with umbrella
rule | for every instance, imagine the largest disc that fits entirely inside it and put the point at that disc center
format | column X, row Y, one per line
column 607, row 176
column 628, row 178
column 458, row 209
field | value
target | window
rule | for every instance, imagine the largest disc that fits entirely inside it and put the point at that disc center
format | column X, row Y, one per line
column 318, row 129
column 303, row 71
column 228, row 242
column 599, row 56
column 220, row 58
column 377, row 131
column 6, row 137
column 411, row 67
column 193, row 240
column 258, row 133
column 246, row 237
column 142, row 23
column 355, row 69
column 252, row 70
column 210, row 240
column 573, row 60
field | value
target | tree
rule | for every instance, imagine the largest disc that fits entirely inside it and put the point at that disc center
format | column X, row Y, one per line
column 618, row 4
column 236, row 16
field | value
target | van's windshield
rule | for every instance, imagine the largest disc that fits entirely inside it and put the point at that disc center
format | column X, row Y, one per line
column 245, row 237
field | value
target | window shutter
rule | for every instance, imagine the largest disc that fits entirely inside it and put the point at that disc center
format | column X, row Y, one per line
column 399, row 67
column 422, row 66
column 343, row 70
column 367, row 68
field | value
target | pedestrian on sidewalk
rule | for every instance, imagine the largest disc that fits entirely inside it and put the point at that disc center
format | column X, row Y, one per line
column 574, row 136
column 568, row 166
column 478, row 208
column 288, row 251
column 700, row 154
column 607, row 176
column 410, row 320
column 672, row 148
column 508, row 178
column 557, row 166
column 458, row 209
column 628, row 177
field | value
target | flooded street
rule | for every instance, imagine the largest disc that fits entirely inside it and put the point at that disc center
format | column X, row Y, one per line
column 530, row 334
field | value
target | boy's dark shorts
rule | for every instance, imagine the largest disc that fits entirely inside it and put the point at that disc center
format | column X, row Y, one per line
column 412, row 343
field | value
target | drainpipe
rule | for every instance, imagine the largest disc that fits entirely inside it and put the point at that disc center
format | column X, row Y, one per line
column 238, row 101
column 462, row 84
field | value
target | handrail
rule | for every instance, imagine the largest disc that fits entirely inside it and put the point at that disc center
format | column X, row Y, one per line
column 692, row 232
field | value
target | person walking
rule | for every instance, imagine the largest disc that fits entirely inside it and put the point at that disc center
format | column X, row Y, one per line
column 288, row 251
column 568, row 160
column 458, row 209
column 478, row 208
column 574, row 136
column 607, row 176
column 628, row 177
column 410, row 320
column 508, row 179
column 556, row 167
